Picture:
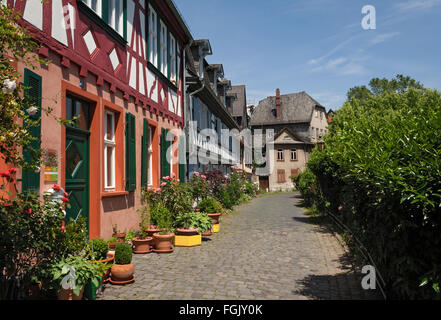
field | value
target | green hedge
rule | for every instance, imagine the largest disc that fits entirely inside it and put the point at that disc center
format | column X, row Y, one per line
column 380, row 172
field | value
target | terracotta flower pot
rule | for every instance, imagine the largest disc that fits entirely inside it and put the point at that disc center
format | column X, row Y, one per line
column 68, row 294
column 197, row 210
column 207, row 233
column 142, row 245
column 112, row 245
column 214, row 217
column 122, row 272
column 121, row 236
column 110, row 259
column 152, row 230
column 163, row 242
column 187, row 232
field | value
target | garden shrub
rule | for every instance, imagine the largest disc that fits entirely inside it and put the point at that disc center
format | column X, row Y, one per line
column 380, row 174
column 99, row 248
column 123, row 253
column 210, row 205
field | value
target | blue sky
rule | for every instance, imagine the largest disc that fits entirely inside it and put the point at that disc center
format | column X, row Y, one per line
column 318, row 46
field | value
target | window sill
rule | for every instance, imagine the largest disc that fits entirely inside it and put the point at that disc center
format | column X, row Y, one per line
column 110, row 194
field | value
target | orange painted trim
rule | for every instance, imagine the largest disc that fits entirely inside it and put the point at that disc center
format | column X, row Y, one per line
column 119, row 146
column 111, row 194
column 95, row 146
column 155, row 152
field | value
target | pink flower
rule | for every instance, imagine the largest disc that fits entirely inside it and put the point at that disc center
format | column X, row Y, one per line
column 203, row 177
column 163, row 184
column 158, row 190
column 56, row 187
column 208, row 181
column 4, row 174
column 196, row 173
column 63, row 228
column 173, row 175
column 340, row 208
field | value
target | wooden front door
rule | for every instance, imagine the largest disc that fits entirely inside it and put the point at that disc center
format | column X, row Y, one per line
column 263, row 183
column 77, row 159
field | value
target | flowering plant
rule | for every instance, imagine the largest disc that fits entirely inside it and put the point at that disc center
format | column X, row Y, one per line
column 199, row 187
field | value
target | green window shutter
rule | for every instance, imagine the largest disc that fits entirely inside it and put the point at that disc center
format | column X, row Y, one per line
column 167, row 147
column 105, row 11
column 145, row 154
column 162, row 148
column 168, row 56
column 32, row 82
column 130, row 152
column 182, row 160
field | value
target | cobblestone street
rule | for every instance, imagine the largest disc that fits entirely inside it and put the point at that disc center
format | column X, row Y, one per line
column 267, row 249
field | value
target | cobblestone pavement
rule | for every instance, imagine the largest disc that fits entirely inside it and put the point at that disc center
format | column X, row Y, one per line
column 268, row 249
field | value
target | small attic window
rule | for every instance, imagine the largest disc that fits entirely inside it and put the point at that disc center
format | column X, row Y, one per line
column 274, row 112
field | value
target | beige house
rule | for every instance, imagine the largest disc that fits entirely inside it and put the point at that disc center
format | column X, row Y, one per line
column 299, row 122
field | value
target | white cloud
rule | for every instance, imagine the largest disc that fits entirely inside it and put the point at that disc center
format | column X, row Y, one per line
column 342, row 66
column 418, row 4
column 383, row 37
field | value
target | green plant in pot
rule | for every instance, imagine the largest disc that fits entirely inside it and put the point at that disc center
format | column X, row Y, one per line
column 142, row 242
column 164, row 238
column 203, row 223
column 71, row 274
column 212, row 208
column 113, row 241
column 122, row 270
column 193, row 223
column 99, row 253
column 118, row 234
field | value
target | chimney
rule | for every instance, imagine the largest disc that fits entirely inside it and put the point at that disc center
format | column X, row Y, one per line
column 278, row 104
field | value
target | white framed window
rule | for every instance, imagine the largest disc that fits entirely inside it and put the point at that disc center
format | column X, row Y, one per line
column 153, row 37
column 150, row 155
column 163, row 48
column 116, row 15
column 293, row 154
column 317, row 133
column 109, row 150
column 280, row 154
column 173, row 59
column 95, row 5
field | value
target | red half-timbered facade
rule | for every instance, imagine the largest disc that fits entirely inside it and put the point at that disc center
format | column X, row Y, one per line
column 116, row 68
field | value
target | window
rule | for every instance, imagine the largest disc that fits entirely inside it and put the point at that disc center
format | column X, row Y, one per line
column 293, row 154
column 116, row 15
column 280, row 155
column 173, row 59
column 109, row 150
column 150, row 155
column 281, row 176
column 163, row 48
column 321, row 114
column 294, row 172
column 95, row 5
column 317, row 133
column 312, row 132
column 153, row 37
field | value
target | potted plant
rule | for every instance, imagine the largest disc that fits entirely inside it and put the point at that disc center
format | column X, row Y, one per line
column 99, row 253
column 213, row 209
column 70, row 275
column 122, row 270
column 118, row 234
column 113, row 242
column 203, row 223
column 142, row 242
column 164, row 238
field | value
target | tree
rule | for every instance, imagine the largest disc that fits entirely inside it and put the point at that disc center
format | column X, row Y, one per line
column 377, row 86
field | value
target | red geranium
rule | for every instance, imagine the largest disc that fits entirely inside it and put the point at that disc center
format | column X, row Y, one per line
column 56, row 187
column 12, row 170
column 64, row 199
column 27, row 211
column 66, row 195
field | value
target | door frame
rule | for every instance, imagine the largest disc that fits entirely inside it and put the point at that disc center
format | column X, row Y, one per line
column 95, row 145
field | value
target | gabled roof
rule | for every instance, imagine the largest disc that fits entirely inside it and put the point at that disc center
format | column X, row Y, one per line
column 293, row 135
column 295, row 108
column 240, row 104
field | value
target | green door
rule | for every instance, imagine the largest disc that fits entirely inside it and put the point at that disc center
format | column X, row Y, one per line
column 77, row 159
